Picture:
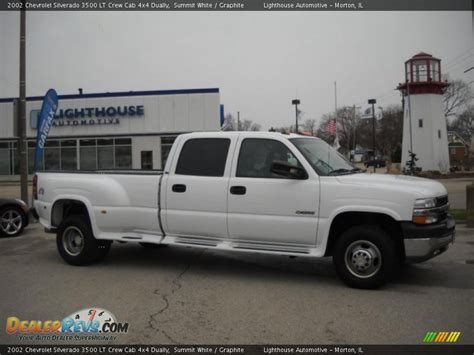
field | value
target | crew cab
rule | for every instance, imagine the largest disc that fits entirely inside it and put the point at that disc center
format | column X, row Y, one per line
column 252, row 192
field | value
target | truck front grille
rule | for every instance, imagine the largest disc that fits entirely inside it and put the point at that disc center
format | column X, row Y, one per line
column 441, row 201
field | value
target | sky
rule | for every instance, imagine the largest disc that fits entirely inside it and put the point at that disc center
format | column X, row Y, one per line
column 260, row 61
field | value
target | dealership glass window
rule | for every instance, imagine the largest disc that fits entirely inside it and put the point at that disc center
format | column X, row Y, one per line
column 203, row 157
column 123, row 153
column 15, row 160
column 146, row 159
column 105, row 153
column 69, row 154
column 52, row 155
column 88, row 154
column 31, row 158
column 166, row 144
column 5, row 158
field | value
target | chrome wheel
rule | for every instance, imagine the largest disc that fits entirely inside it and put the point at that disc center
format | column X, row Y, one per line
column 363, row 259
column 11, row 222
column 73, row 240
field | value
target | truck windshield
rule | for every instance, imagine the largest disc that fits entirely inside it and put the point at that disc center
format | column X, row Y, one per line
column 324, row 159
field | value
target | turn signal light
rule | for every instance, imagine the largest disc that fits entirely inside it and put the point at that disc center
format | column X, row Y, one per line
column 424, row 219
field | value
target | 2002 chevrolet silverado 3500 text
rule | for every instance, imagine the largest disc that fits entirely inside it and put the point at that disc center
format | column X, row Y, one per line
column 253, row 192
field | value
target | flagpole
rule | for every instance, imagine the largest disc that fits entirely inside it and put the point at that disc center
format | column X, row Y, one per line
column 335, row 104
column 336, row 138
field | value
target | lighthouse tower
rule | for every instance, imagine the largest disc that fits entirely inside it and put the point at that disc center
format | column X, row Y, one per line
column 424, row 122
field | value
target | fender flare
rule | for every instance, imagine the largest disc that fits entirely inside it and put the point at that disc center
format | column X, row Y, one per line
column 324, row 238
column 87, row 204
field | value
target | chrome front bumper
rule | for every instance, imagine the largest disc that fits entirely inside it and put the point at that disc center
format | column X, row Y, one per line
column 423, row 242
column 421, row 249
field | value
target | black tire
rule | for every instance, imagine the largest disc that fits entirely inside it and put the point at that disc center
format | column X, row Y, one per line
column 153, row 245
column 365, row 257
column 86, row 250
column 8, row 230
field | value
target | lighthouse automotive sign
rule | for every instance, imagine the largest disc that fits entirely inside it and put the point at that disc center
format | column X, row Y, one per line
column 89, row 116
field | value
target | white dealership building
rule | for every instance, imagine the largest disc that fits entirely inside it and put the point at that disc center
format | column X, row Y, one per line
column 116, row 130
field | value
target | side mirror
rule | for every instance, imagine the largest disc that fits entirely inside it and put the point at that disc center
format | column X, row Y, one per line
column 284, row 169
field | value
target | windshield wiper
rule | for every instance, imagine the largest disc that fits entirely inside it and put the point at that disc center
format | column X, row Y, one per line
column 344, row 171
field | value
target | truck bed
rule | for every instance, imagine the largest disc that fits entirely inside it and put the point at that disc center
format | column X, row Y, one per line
column 125, row 201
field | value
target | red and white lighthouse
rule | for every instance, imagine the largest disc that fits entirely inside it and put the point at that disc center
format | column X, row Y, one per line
column 424, row 122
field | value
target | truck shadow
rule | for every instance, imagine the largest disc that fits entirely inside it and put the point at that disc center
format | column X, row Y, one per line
column 228, row 264
column 258, row 266
column 134, row 259
column 435, row 273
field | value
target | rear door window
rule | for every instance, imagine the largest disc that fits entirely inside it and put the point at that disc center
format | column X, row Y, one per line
column 203, row 157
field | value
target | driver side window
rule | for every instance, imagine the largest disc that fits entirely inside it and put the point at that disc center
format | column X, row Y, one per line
column 256, row 157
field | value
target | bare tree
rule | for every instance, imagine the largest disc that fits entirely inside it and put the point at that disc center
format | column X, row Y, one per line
column 390, row 132
column 321, row 131
column 310, row 126
column 347, row 120
column 289, row 129
column 464, row 123
column 457, row 97
column 230, row 124
column 352, row 130
column 255, row 127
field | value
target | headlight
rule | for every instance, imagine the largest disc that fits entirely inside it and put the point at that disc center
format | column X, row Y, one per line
column 423, row 213
column 425, row 203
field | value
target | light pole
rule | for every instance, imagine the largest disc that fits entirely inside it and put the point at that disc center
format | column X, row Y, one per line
column 296, row 102
column 373, row 102
column 238, row 120
column 22, row 152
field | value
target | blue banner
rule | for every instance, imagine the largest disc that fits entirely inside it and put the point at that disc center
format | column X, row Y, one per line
column 222, row 114
column 45, row 121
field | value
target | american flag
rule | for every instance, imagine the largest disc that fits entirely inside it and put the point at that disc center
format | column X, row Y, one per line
column 331, row 126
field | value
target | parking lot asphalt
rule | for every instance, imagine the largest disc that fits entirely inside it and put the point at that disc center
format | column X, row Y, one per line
column 184, row 295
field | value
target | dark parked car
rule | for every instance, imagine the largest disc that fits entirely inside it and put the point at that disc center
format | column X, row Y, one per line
column 13, row 216
column 377, row 162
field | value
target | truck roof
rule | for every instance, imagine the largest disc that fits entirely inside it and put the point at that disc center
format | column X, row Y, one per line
column 247, row 133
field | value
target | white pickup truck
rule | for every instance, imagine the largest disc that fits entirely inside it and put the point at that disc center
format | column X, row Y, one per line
column 252, row 192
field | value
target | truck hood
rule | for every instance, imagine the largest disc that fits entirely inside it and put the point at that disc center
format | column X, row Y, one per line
column 403, row 183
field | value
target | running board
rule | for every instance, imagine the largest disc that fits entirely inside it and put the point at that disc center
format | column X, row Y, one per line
column 240, row 246
column 195, row 241
column 271, row 248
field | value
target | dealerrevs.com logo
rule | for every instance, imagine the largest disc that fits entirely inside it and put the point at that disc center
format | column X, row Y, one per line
column 87, row 324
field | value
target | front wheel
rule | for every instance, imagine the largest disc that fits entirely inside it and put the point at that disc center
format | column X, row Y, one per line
column 365, row 257
column 77, row 244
